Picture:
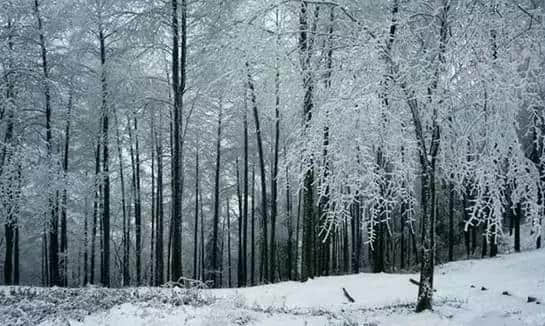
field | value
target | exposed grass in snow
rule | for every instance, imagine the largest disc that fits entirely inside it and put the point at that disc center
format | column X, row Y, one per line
column 380, row 299
column 33, row 305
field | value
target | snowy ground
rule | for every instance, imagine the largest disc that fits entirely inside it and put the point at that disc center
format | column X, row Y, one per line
column 381, row 299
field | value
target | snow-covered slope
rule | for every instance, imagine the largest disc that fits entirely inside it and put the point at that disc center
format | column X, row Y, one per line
column 468, row 293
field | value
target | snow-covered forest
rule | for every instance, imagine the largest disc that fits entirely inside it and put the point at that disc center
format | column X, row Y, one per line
column 196, row 145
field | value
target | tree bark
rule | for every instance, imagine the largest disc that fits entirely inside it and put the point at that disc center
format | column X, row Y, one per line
column 213, row 273
column 159, row 264
column 195, row 237
column 252, row 264
column 64, row 236
column 105, row 267
column 240, row 261
column 178, row 85
column 264, row 254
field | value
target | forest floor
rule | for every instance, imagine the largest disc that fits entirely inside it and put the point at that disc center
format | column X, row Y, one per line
column 469, row 292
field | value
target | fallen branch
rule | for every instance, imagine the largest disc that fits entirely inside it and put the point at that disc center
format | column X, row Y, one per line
column 348, row 296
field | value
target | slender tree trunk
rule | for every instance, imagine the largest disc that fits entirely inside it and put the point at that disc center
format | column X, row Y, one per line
column 215, row 260
column 105, row 274
column 86, row 242
column 126, row 240
column 229, row 266
column 484, row 246
column 95, row 210
column 252, row 265
column 290, row 226
column 202, row 239
column 274, row 181
column 297, row 232
column 159, row 265
column 245, row 199
column 240, row 260
column 64, row 236
column 153, row 234
column 451, row 221
column 195, row 234
column 137, row 207
column 264, row 253
column 517, row 215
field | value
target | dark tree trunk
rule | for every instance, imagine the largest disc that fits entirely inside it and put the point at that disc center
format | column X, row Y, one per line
column 274, row 181
column 516, row 220
column 245, row 198
column 64, row 235
column 105, row 270
column 451, row 221
column 159, row 265
column 137, row 208
column 305, row 48
column 195, row 237
column 229, row 266
column 126, row 239
column 16, row 274
column 252, row 264
column 467, row 230
column 264, row 249
column 202, row 239
column 134, row 187
column 240, row 262
column 178, row 85
column 493, row 242
column 86, row 243
column 95, row 211
column 53, row 227
column 153, row 242
column 290, row 227
column 484, row 246
column 215, row 261
column 9, row 225
column 297, row 232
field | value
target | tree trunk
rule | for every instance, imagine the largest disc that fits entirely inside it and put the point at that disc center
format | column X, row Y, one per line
column 126, row 240
column 305, row 53
column 86, row 243
column 264, row 253
column 290, row 226
column 178, row 85
column 214, row 268
column 153, row 234
column 105, row 270
column 53, row 227
column 95, row 210
column 240, row 262
column 451, row 221
column 245, row 199
column 7, row 149
column 137, row 208
column 229, row 267
column 195, row 242
column 159, row 265
column 516, row 218
column 274, row 181
column 252, row 265
column 64, row 236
